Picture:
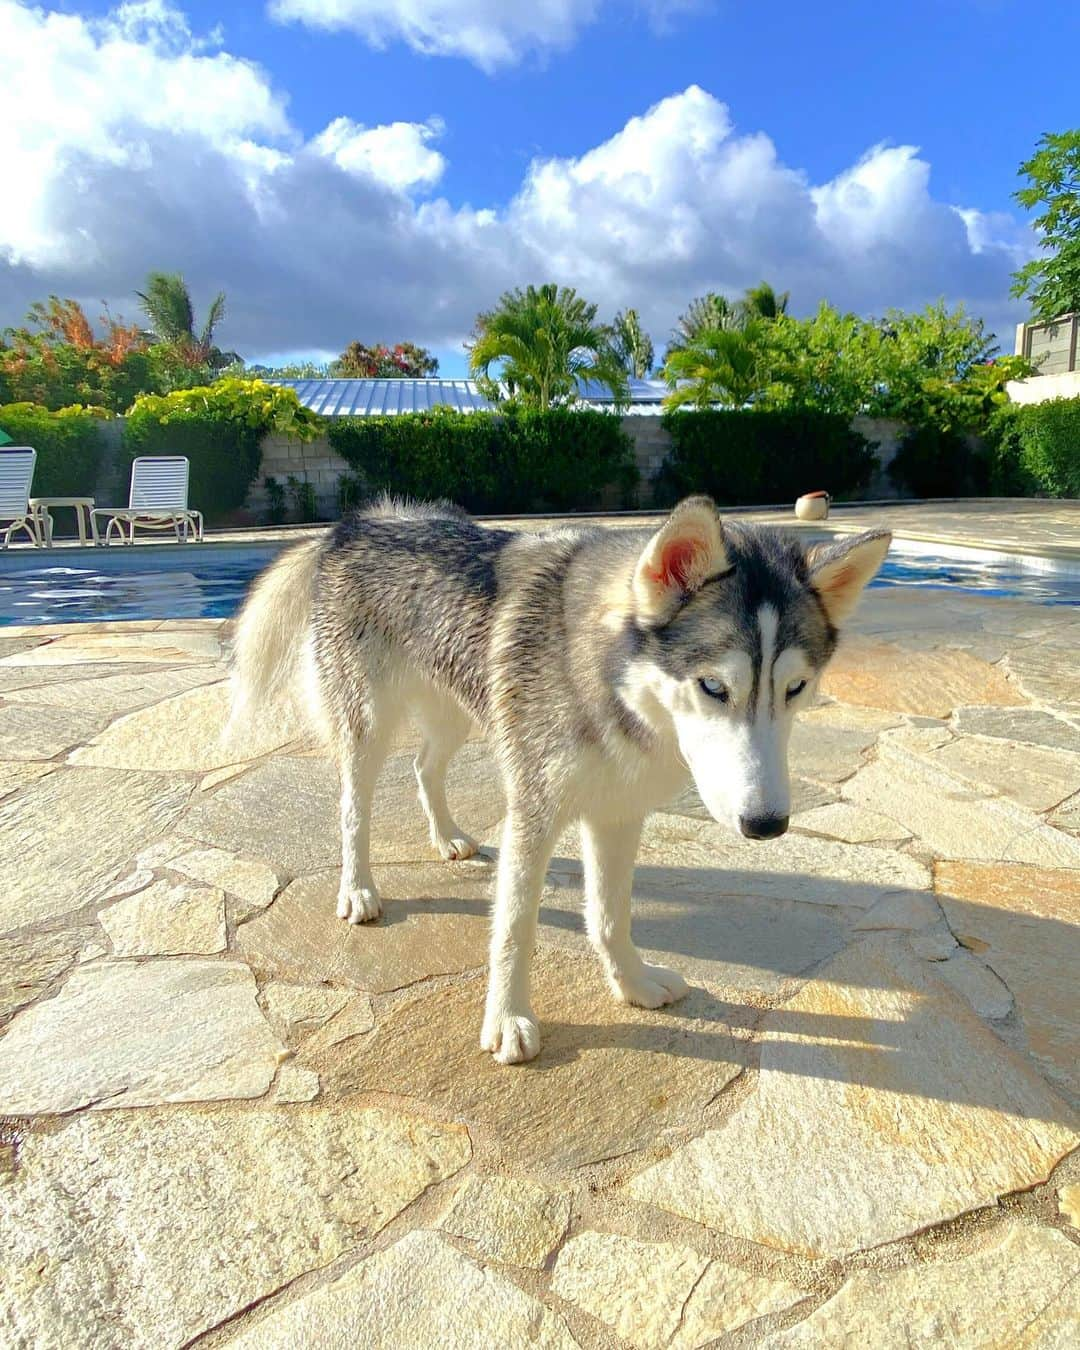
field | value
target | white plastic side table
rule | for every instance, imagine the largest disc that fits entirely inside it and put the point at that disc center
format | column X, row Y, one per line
column 84, row 510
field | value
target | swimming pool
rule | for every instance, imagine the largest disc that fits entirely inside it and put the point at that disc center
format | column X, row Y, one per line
column 209, row 580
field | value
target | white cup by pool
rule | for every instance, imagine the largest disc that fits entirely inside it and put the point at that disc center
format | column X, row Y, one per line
column 812, row 506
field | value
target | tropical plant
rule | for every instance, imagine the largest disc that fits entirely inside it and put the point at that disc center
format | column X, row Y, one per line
column 937, row 461
column 762, row 302
column 519, row 459
column 68, row 442
column 705, row 313
column 275, row 499
column 404, row 360
column 968, row 403
column 303, row 498
column 1042, row 440
column 723, row 367
column 746, row 456
column 544, row 340
column 220, row 428
column 64, row 321
column 166, row 302
column 930, row 366
column 828, row 363
column 921, row 355
column 1051, row 282
column 296, row 370
column 633, row 344
column 57, row 360
column 759, row 304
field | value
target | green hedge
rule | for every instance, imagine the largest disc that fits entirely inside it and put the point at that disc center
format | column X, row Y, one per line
column 931, row 462
column 744, row 458
column 518, row 460
column 224, row 457
column 1038, row 444
column 220, row 429
column 1028, row 450
column 68, row 442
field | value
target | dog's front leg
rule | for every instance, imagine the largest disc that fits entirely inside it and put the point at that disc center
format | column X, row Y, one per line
column 510, row 1029
column 608, row 852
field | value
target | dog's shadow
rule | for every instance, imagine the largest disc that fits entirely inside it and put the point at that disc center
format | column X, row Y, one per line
column 709, row 924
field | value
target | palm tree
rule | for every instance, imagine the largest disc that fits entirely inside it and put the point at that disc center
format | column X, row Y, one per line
column 166, row 302
column 707, row 312
column 713, row 311
column 721, row 366
column 633, row 344
column 762, row 302
column 545, row 339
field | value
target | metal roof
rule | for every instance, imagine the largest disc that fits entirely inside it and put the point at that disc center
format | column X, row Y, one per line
column 382, row 398
column 641, row 391
column 386, row 398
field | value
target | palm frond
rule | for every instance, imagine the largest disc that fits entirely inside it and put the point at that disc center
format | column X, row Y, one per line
column 167, row 304
column 214, row 316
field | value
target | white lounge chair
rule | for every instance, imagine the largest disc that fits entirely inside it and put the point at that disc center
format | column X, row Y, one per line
column 16, row 474
column 157, row 501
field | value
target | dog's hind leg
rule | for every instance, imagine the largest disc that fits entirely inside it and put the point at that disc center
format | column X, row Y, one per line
column 608, row 851
column 445, row 729
column 360, row 757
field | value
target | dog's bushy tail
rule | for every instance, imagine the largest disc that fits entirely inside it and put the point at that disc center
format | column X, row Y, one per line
column 271, row 650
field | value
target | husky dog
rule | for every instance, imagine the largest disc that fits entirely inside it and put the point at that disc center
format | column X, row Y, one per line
column 605, row 666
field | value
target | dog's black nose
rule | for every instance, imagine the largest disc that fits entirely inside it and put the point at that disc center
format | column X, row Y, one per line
column 763, row 827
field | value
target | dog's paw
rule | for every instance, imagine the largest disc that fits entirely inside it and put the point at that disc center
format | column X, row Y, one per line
column 360, row 904
column 513, row 1038
column 457, row 848
column 651, row 987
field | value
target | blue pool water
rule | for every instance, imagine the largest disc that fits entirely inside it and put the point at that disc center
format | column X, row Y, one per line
column 186, row 581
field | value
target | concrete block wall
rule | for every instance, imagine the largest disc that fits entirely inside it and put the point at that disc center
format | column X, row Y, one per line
column 886, row 434
column 316, row 463
column 111, row 488
column 313, row 463
column 651, row 446
column 652, row 443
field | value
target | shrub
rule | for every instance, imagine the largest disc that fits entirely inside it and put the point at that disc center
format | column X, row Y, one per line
column 1050, row 439
column 517, row 460
column 1036, row 448
column 1006, row 472
column 934, row 462
column 1028, row 449
column 275, row 496
column 219, row 428
column 303, row 499
column 68, row 444
column 744, row 458
column 351, row 492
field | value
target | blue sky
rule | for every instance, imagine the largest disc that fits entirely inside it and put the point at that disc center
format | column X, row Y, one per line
column 641, row 151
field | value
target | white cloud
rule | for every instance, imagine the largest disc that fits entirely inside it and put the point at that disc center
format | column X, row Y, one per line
column 138, row 145
column 399, row 154
column 490, row 33
column 100, row 89
column 988, row 231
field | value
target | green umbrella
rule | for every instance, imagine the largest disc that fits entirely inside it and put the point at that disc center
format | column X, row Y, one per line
column 5, row 439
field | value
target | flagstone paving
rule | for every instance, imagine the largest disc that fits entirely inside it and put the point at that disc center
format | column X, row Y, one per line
column 227, row 1119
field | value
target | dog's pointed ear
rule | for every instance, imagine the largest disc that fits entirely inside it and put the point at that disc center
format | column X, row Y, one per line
column 839, row 570
column 682, row 555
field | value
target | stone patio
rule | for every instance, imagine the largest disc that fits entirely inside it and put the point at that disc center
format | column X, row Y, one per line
column 228, row 1119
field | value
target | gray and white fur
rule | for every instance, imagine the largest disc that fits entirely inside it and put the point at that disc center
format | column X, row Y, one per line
column 606, row 667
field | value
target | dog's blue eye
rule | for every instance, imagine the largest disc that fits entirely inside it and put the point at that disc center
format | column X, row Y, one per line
column 796, row 688
column 715, row 689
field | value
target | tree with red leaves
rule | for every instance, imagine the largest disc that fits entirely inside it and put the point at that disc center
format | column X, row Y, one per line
column 403, row 361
